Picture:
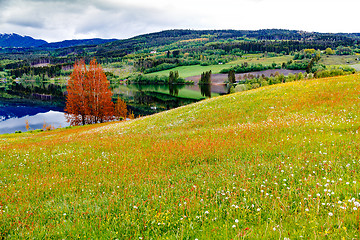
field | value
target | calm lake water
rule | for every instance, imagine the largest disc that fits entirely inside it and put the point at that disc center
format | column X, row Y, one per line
column 13, row 116
column 151, row 98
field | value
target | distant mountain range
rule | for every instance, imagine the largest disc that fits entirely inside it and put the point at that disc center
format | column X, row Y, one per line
column 73, row 43
column 14, row 40
column 98, row 47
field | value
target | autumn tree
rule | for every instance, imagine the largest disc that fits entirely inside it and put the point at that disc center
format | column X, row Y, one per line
column 121, row 111
column 89, row 96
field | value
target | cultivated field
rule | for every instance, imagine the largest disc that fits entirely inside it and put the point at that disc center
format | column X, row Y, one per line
column 189, row 71
column 277, row 162
column 339, row 60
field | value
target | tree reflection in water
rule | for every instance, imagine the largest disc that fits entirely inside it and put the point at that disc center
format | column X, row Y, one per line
column 173, row 90
column 205, row 90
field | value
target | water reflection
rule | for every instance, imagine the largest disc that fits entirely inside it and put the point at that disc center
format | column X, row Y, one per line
column 194, row 92
column 174, row 90
column 53, row 118
column 205, row 90
column 13, row 115
column 141, row 99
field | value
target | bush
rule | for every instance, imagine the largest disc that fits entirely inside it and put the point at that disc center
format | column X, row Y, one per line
column 244, row 68
column 334, row 72
column 144, row 79
column 161, row 67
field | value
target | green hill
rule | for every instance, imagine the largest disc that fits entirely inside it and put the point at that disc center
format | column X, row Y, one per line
column 272, row 163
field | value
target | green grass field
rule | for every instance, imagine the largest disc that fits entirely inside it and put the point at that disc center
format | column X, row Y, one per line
column 189, row 71
column 339, row 60
column 278, row 162
column 356, row 66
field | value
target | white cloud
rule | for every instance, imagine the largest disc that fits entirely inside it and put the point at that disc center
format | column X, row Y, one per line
column 55, row 20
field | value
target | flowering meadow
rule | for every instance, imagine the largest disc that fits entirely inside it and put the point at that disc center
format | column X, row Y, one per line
column 278, row 162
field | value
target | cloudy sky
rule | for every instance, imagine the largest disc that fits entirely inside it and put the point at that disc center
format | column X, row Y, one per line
column 56, row 20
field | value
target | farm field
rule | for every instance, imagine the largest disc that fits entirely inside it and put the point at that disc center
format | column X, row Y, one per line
column 339, row 60
column 189, row 71
column 356, row 66
column 272, row 163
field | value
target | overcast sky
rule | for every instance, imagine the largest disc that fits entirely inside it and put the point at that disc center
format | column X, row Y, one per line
column 56, row 20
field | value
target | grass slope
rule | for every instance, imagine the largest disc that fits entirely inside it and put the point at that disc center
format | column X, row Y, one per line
column 272, row 163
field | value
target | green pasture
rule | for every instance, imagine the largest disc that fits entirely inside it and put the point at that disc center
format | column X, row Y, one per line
column 189, row 71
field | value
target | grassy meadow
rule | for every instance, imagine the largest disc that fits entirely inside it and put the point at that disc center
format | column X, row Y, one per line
column 278, row 162
column 339, row 60
column 189, row 71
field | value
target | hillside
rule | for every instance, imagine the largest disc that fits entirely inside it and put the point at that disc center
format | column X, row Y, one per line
column 276, row 162
column 75, row 42
column 157, row 39
column 16, row 40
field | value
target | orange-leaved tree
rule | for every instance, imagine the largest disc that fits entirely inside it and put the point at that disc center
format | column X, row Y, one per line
column 89, row 96
column 121, row 111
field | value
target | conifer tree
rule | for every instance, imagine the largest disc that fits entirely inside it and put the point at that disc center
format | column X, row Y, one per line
column 231, row 76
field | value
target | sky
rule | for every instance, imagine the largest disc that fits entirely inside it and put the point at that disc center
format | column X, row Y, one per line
column 57, row 20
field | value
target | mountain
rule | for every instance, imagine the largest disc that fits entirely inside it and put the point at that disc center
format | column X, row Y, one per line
column 77, row 42
column 19, row 41
column 14, row 40
column 153, row 40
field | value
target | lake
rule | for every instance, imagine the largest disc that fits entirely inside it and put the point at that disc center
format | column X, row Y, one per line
column 13, row 116
column 142, row 100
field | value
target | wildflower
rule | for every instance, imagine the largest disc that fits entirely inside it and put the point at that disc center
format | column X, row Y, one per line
column 331, row 214
column 355, row 208
column 307, row 209
column 258, row 209
column 233, row 226
column 206, row 212
column 236, row 220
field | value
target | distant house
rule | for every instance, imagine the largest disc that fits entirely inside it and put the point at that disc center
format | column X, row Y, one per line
column 153, row 52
